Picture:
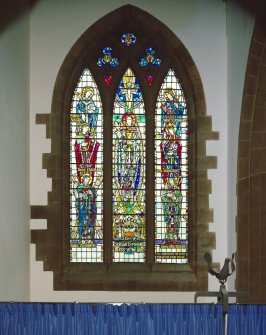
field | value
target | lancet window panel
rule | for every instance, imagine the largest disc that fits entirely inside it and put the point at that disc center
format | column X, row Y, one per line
column 129, row 168
column 171, row 169
column 86, row 172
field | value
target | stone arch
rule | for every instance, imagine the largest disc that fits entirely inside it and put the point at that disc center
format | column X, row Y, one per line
column 52, row 244
column 251, row 186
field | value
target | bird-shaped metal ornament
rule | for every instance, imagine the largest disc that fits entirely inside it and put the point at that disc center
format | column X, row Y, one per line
column 225, row 272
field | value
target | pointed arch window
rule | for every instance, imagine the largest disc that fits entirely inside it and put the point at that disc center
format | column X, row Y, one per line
column 129, row 205
column 128, row 173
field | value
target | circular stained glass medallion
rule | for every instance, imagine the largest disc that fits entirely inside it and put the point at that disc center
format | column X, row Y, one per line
column 128, row 39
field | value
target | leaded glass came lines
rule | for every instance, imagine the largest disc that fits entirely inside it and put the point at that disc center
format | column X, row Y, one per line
column 129, row 172
column 171, row 173
column 128, row 39
column 117, row 211
column 86, row 172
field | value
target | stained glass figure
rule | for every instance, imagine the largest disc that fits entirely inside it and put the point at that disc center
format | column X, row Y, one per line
column 150, row 80
column 86, row 172
column 107, row 80
column 150, row 59
column 171, row 168
column 129, row 172
column 107, row 58
column 128, row 39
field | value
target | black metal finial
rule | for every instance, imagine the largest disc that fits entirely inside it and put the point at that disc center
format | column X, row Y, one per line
column 225, row 272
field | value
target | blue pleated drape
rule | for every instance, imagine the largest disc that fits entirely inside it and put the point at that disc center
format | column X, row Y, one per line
column 109, row 319
column 246, row 320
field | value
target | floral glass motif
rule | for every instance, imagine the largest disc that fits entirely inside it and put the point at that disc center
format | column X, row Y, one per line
column 150, row 80
column 171, row 173
column 107, row 58
column 107, row 80
column 129, row 172
column 86, row 172
column 150, row 59
column 128, row 39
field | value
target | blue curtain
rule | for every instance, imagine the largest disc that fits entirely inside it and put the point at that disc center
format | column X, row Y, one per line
column 246, row 320
column 108, row 319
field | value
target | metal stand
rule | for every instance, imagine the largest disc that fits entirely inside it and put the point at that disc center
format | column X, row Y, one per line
column 222, row 298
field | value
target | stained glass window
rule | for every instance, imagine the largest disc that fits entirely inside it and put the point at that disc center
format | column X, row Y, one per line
column 107, row 80
column 128, row 39
column 86, row 172
column 150, row 80
column 150, row 59
column 117, row 214
column 129, row 172
column 107, row 58
column 171, row 169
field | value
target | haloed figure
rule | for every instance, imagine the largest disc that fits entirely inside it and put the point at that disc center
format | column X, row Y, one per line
column 128, row 156
column 171, row 148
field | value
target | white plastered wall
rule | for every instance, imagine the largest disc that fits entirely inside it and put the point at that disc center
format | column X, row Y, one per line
column 202, row 26
column 14, row 153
